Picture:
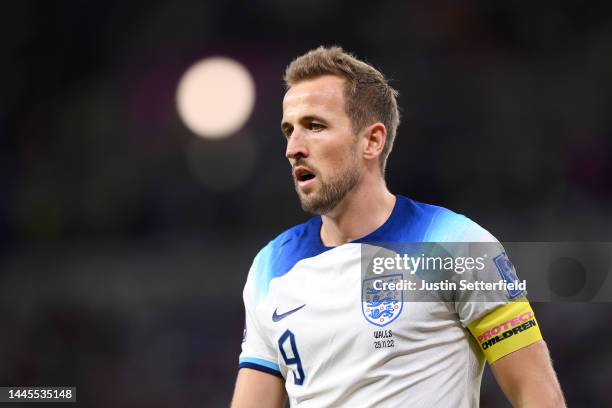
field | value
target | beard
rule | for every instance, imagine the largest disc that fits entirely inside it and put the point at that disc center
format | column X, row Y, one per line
column 332, row 191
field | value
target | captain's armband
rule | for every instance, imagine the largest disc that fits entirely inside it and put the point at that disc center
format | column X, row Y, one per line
column 505, row 330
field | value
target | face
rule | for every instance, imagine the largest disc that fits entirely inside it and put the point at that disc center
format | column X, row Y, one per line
column 321, row 146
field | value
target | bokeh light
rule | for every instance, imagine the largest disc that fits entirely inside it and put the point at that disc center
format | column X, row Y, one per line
column 215, row 97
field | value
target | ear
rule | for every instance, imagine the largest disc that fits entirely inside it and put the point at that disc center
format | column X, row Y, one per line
column 375, row 137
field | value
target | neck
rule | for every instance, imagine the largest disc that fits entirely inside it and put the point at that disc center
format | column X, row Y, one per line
column 362, row 211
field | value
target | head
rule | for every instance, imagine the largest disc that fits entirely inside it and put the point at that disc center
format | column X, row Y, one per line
column 340, row 118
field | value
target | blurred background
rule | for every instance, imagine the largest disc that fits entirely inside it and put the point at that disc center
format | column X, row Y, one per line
column 125, row 237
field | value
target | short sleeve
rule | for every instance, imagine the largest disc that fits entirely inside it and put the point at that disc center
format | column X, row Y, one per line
column 501, row 319
column 257, row 350
column 471, row 303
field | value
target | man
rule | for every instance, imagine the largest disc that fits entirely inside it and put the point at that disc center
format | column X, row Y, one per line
column 307, row 336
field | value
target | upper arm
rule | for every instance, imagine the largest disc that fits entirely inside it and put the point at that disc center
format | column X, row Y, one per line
column 510, row 338
column 258, row 390
column 527, row 377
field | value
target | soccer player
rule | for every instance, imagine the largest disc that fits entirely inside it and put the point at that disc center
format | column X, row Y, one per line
column 308, row 336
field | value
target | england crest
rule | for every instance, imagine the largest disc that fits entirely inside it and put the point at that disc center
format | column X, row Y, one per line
column 381, row 306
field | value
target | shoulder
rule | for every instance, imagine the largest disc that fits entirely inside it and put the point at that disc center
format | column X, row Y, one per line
column 439, row 224
column 300, row 237
column 281, row 254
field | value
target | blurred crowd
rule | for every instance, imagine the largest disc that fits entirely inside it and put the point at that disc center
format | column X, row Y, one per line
column 125, row 239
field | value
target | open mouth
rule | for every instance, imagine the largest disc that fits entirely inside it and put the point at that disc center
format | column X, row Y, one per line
column 303, row 175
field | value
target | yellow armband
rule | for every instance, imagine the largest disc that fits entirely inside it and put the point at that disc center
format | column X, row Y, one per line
column 505, row 330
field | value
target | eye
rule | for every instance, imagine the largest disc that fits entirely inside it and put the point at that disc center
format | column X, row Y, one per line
column 287, row 131
column 316, row 127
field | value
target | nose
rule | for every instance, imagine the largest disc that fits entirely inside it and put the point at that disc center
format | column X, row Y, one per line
column 296, row 146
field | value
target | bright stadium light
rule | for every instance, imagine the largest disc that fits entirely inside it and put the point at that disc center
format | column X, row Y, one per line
column 215, row 97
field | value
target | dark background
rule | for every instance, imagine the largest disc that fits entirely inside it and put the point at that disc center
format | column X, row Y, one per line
column 125, row 240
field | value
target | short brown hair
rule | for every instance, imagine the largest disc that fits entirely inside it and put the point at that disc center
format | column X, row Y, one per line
column 369, row 98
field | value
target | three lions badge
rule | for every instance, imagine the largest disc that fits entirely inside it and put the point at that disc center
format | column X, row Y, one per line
column 381, row 306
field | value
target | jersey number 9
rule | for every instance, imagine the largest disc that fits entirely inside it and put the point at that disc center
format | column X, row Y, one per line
column 298, row 371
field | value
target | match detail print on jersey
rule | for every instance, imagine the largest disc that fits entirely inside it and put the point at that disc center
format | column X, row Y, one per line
column 505, row 330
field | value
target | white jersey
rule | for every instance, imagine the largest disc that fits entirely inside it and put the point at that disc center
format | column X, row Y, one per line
column 306, row 322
